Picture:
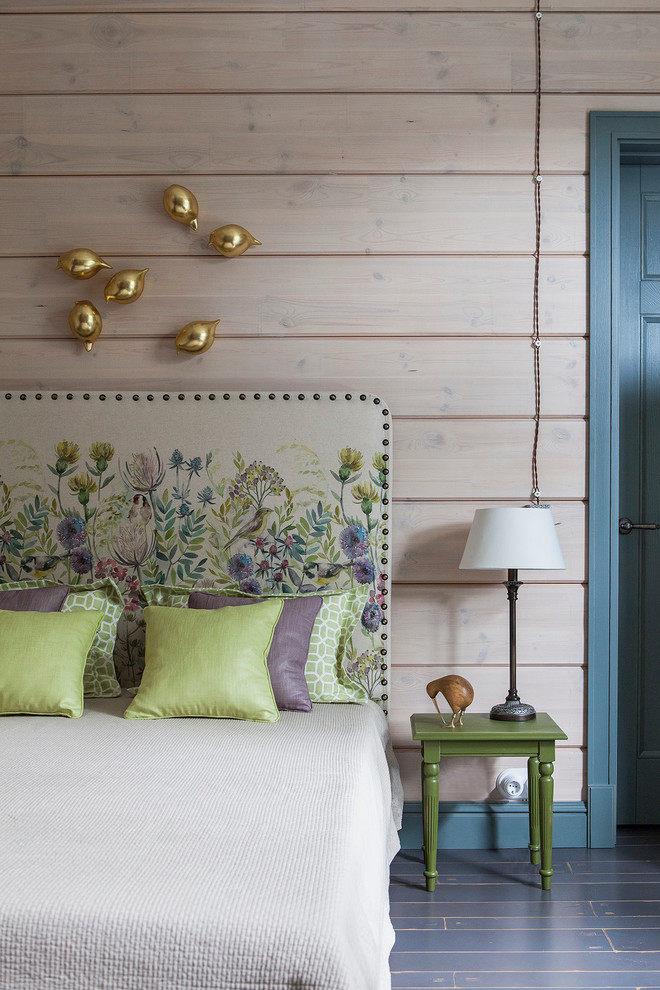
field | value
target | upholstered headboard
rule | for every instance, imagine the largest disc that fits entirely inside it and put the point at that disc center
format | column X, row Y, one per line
column 261, row 492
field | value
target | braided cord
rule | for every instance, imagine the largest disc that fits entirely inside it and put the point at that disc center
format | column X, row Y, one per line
column 536, row 336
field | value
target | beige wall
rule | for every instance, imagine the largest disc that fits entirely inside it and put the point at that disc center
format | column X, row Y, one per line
column 383, row 158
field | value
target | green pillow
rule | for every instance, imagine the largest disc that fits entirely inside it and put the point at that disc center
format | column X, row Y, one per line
column 42, row 659
column 208, row 663
column 170, row 595
column 327, row 679
column 100, row 678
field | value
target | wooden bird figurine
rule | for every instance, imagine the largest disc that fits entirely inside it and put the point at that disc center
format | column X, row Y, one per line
column 457, row 692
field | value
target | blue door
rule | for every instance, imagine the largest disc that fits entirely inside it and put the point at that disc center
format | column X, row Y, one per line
column 638, row 776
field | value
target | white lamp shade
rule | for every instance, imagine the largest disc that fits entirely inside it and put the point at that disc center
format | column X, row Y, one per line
column 512, row 538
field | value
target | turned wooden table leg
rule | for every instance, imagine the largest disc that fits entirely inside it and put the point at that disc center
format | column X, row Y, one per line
column 430, row 821
column 546, row 787
column 421, row 770
column 534, row 817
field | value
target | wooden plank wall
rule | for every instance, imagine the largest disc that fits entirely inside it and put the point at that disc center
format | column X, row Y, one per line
column 382, row 152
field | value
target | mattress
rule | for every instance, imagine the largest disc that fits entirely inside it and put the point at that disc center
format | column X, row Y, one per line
column 195, row 854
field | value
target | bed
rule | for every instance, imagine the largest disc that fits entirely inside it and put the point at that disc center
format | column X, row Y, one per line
column 195, row 853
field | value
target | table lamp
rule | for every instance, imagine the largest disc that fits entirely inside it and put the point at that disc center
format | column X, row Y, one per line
column 513, row 539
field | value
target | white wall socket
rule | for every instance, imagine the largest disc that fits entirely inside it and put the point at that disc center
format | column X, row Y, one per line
column 512, row 785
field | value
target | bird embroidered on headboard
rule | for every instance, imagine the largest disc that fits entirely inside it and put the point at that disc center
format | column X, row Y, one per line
column 323, row 573
column 40, row 565
column 140, row 512
column 251, row 528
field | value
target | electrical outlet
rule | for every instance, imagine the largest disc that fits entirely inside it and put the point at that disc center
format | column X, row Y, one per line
column 512, row 785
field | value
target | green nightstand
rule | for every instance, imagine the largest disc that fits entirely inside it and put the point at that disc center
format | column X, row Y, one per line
column 479, row 735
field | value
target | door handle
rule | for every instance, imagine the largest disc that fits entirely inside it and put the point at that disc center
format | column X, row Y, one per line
column 626, row 526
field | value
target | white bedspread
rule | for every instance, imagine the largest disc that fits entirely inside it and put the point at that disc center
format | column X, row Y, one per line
column 196, row 854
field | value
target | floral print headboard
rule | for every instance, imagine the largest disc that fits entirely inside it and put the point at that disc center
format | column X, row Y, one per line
column 255, row 492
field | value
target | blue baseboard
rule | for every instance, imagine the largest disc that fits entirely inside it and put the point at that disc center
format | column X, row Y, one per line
column 477, row 825
column 602, row 816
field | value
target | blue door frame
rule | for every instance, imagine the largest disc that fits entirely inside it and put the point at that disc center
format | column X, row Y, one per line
column 611, row 136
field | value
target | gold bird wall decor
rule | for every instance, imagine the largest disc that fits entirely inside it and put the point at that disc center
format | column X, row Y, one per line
column 85, row 322
column 196, row 337
column 181, row 205
column 126, row 286
column 231, row 240
column 81, row 263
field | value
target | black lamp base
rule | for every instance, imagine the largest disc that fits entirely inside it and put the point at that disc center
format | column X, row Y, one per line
column 512, row 711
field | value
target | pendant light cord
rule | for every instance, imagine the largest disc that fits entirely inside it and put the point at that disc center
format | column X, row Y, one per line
column 536, row 336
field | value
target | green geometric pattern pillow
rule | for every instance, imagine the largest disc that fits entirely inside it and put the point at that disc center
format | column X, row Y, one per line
column 326, row 678
column 338, row 616
column 100, row 680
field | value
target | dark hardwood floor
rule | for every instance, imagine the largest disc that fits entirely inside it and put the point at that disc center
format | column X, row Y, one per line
column 489, row 925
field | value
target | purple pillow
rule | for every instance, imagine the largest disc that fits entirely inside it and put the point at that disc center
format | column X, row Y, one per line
column 48, row 599
column 287, row 656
